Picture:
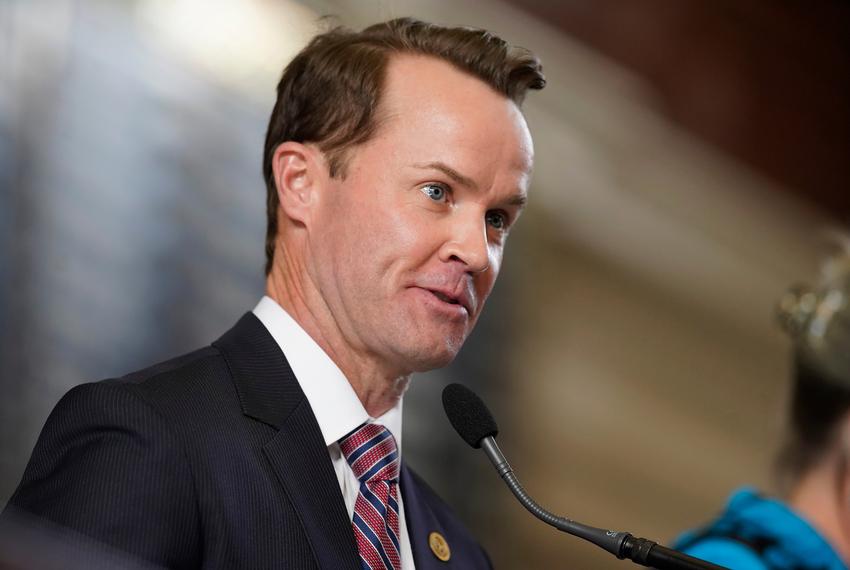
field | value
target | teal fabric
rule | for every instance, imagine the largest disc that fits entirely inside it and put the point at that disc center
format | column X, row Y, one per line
column 758, row 533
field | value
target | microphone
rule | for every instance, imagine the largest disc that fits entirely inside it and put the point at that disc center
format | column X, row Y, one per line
column 475, row 424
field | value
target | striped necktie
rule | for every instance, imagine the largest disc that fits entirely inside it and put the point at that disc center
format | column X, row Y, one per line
column 372, row 454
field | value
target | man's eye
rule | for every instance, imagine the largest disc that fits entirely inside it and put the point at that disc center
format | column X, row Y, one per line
column 497, row 219
column 434, row 191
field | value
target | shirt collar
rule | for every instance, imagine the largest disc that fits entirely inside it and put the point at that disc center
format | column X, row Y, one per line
column 337, row 408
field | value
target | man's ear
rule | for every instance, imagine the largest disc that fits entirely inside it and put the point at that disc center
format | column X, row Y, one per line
column 298, row 177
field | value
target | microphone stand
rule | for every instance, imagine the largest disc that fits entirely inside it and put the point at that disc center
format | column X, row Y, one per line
column 623, row 545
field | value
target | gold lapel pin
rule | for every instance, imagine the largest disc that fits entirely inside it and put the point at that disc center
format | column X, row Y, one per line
column 439, row 546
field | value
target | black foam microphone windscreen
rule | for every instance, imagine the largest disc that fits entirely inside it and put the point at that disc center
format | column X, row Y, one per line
column 468, row 414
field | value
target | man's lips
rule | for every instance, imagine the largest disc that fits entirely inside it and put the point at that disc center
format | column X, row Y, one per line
column 463, row 298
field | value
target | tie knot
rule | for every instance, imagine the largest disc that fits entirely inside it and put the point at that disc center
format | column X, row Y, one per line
column 372, row 453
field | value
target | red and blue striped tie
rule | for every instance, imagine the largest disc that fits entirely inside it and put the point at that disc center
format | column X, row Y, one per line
column 372, row 454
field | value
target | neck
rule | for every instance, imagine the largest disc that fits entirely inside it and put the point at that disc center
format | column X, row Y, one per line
column 378, row 387
column 821, row 497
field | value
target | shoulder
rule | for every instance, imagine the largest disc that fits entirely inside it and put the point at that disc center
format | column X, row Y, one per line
column 111, row 428
column 751, row 533
column 172, row 407
column 726, row 552
column 146, row 381
column 107, row 450
column 116, row 422
column 164, row 391
column 174, row 376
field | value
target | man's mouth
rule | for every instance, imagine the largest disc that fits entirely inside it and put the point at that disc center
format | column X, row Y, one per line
column 452, row 300
column 445, row 298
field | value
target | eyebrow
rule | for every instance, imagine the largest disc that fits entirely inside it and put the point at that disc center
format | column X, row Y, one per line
column 516, row 200
column 450, row 172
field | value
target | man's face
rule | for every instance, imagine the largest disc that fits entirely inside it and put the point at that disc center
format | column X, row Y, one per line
column 409, row 243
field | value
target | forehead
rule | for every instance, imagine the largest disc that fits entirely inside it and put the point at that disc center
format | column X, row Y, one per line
column 437, row 112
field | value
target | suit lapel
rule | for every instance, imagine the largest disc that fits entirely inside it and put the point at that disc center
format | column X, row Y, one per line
column 269, row 392
column 300, row 460
column 421, row 522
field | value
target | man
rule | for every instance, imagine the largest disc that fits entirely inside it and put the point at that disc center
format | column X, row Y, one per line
column 396, row 161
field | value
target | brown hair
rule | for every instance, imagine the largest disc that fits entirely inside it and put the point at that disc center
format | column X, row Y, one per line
column 820, row 390
column 329, row 93
column 819, row 404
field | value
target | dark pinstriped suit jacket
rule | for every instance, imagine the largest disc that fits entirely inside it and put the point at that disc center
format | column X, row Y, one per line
column 212, row 460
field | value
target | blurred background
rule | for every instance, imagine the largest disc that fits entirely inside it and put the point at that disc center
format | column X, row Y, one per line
column 689, row 156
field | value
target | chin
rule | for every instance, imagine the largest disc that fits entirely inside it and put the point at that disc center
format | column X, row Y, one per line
column 434, row 357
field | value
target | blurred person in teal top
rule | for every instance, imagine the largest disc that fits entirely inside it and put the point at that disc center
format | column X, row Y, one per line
column 807, row 528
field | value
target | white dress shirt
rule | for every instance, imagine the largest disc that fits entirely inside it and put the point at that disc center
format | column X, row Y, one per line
column 337, row 408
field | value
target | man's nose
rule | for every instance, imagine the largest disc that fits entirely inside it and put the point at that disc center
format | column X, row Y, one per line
column 468, row 244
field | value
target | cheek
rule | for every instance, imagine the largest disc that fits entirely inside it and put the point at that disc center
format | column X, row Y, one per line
column 381, row 249
column 485, row 281
column 495, row 252
column 407, row 238
column 485, row 284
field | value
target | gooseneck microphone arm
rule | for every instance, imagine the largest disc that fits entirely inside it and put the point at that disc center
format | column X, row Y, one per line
column 610, row 541
column 623, row 545
column 475, row 424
